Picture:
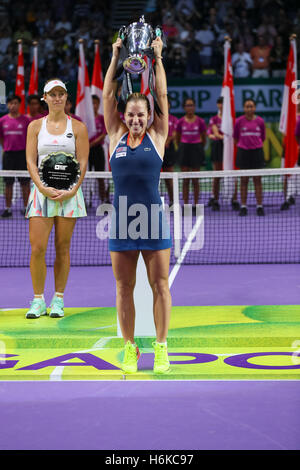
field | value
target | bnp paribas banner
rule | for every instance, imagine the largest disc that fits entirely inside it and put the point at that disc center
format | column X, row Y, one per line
column 266, row 93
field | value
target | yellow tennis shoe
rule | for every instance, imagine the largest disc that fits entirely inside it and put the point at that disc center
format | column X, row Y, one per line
column 161, row 360
column 131, row 357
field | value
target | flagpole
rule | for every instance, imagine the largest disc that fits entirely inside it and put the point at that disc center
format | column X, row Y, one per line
column 20, row 88
column 33, row 81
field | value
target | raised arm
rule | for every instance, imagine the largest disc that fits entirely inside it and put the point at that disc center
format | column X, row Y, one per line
column 112, row 119
column 160, row 123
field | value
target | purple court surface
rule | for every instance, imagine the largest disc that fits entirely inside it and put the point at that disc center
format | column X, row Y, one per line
column 182, row 415
column 272, row 284
column 168, row 415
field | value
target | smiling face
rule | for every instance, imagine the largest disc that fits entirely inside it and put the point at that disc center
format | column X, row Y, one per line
column 136, row 117
column 56, row 98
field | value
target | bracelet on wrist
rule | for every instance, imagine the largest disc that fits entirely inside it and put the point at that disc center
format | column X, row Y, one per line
column 158, row 57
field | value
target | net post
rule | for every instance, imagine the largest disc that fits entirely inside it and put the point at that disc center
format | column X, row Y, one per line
column 177, row 225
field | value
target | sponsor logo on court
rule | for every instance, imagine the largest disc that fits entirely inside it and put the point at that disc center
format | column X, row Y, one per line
column 86, row 359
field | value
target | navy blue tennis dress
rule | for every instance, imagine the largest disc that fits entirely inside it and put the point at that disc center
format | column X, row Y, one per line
column 138, row 221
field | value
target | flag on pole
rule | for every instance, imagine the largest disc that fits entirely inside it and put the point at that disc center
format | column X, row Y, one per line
column 33, row 82
column 145, row 88
column 228, row 114
column 97, row 78
column 288, row 116
column 84, row 105
column 20, row 87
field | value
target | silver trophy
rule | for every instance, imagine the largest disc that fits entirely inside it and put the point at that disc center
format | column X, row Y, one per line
column 137, row 38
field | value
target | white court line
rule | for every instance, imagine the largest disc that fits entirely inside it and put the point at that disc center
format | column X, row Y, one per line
column 185, row 250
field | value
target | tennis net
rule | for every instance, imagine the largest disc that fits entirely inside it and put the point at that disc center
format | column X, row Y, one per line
column 214, row 234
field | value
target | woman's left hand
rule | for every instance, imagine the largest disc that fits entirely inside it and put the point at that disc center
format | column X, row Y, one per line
column 63, row 195
column 157, row 45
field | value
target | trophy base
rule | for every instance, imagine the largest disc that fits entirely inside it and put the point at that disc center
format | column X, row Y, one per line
column 135, row 65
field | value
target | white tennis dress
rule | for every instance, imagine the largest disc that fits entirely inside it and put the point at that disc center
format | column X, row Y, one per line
column 41, row 206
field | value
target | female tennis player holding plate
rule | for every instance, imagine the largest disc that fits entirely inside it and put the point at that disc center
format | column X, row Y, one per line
column 136, row 161
column 47, row 206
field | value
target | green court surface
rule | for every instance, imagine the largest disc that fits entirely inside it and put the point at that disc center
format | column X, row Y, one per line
column 204, row 343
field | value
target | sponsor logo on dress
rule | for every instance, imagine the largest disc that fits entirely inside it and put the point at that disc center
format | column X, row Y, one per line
column 121, row 152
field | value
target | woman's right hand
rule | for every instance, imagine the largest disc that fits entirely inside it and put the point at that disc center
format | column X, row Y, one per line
column 117, row 47
column 49, row 192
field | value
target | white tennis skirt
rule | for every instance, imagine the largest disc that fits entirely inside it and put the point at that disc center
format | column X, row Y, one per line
column 41, row 206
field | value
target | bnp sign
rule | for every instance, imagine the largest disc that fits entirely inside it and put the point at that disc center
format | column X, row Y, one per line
column 268, row 97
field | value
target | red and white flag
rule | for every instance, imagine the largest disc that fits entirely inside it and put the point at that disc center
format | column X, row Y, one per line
column 84, row 105
column 228, row 114
column 288, row 116
column 97, row 78
column 33, row 82
column 145, row 89
column 20, row 87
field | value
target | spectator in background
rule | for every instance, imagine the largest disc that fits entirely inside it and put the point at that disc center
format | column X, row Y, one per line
column 23, row 33
column 278, row 57
column 185, row 8
column 5, row 41
column 193, row 64
column 267, row 29
column 63, row 24
column 241, row 62
column 81, row 10
column 43, row 22
column 247, row 38
column 169, row 27
column 282, row 23
column 260, row 55
column 186, row 35
column 205, row 37
column 3, row 13
column 175, row 63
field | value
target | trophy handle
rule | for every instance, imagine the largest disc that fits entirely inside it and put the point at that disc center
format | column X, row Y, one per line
column 159, row 33
column 122, row 32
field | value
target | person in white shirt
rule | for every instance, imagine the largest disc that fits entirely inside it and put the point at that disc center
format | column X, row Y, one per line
column 206, row 38
column 241, row 62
